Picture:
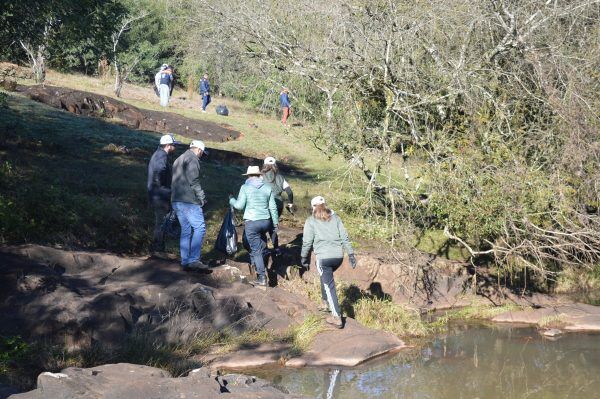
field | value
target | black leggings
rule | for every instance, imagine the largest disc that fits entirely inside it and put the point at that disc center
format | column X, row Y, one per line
column 326, row 267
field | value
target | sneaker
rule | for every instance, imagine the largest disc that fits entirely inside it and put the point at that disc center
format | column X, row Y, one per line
column 260, row 282
column 195, row 266
column 335, row 321
column 323, row 307
column 204, row 110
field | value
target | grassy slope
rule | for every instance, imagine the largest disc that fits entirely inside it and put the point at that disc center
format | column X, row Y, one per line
column 89, row 197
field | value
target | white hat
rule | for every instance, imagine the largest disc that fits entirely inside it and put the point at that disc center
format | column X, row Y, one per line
column 252, row 171
column 269, row 161
column 318, row 200
column 168, row 139
column 199, row 144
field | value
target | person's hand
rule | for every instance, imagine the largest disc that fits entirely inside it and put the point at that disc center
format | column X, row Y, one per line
column 290, row 207
column 275, row 229
column 305, row 262
column 230, row 196
column 352, row 261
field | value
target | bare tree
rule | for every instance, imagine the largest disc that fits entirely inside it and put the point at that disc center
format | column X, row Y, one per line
column 122, row 70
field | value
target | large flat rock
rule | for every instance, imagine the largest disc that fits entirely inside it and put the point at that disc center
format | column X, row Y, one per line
column 257, row 356
column 350, row 346
column 571, row 317
column 130, row 381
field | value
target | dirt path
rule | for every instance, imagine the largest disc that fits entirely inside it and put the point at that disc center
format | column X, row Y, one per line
column 91, row 104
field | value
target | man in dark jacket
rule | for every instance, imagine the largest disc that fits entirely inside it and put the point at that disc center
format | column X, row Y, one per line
column 188, row 198
column 205, row 92
column 159, row 188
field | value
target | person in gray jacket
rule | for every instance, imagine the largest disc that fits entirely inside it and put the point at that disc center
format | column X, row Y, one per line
column 273, row 178
column 188, row 198
column 325, row 233
column 260, row 213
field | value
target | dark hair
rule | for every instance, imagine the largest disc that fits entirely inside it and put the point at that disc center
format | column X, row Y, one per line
column 321, row 212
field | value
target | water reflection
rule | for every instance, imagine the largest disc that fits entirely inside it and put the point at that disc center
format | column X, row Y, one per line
column 468, row 362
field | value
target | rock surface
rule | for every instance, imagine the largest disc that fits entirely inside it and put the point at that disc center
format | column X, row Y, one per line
column 129, row 381
column 569, row 316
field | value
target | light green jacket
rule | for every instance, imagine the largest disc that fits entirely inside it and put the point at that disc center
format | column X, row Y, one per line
column 257, row 200
column 328, row 238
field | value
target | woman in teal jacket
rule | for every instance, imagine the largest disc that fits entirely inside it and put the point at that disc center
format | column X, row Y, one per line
column 325, row 233
column 260, row 213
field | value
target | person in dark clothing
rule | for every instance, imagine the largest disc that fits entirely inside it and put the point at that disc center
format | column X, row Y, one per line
column 205, row 92
column 325, row 233
column 159, row 188
column 273, row 178
column 188, row 198
column 286, row 105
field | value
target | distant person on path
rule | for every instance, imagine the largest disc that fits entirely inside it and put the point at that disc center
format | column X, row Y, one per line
column 260, row 216
column 188, row 198
column 163, row 80
column 159, row 188
column 325, row 233
column 205, row 91
column 286, row 106
column 273, row 178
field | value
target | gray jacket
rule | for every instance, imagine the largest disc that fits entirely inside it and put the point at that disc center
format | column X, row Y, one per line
column 328, row 238
column 185, row 186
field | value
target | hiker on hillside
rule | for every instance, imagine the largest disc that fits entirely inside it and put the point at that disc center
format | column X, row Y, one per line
column 188, row 198
column 159, row 188
column 205, row 91
column 163, row 81
column 273, row 178
column 286, row 105
column 260, row 216
column 325, row 233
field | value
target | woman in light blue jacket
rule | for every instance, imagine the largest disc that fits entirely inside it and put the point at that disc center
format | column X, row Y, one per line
column 260, row 214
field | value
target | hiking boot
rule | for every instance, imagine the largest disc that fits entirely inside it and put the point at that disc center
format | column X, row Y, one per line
column 195, row 266
column 323, row 307
column 335, row 321
column 260, row 282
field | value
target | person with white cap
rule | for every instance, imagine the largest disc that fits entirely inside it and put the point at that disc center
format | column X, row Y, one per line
column 159, row 188
column 163, row 81
column 325, row 233
column 273, row 178
column 188, row 198
column 260, row 213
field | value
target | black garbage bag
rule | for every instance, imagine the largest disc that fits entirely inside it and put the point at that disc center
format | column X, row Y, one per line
column 227, row 239
column 171, row 225
column 222, row 110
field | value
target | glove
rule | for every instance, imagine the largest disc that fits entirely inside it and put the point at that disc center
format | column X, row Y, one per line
column 275, row 229
column 305, row 262
column 290, row 207
column 352, row 261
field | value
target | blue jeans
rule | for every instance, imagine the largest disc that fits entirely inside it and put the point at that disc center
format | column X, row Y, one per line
column 205, row 101
column 191, row 219
column 256, row 232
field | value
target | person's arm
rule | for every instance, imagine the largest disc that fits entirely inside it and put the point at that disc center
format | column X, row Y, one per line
column 273, row 209
column 308, row 237
column 240, row 202
column 193, row 175
column 160, row 167
column 157, row 80
column 289, row 192
column 344, row 236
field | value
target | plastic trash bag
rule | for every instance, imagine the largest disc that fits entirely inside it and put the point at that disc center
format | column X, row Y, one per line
column 222, row 110
column 171, row 225
column 227, row 239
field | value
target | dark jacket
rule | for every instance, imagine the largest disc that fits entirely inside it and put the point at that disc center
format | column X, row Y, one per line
column 284, row 100
column 204, row 87
column 159, row 177
column 186, row 180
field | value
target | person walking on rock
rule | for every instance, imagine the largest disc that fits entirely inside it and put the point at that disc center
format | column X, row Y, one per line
column 205, row 92
column 273, row 178
column 260, row 215
column 163, row 81
column 286, row 106
column 325, row 233
column 188, row 198
column 159, row 188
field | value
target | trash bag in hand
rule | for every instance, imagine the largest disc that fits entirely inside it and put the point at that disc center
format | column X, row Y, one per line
column 227, row 238
column 171, row 225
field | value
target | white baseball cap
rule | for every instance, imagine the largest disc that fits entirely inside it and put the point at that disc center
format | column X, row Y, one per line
column 168, row 139
column 252, row 171
column 199, row 144
column 318, row 200
column 270, row 161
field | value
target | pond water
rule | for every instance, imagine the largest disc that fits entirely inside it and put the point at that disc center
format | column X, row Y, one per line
column 470, row 361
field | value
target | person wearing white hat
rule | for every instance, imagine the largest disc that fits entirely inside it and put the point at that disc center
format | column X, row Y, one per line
column 163, row 81
column 260, row 213
column 188, row 198
column 273, row 177
column 159, row 188
column 324, row 232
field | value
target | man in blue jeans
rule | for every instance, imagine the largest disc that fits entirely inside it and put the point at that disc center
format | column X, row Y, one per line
column 205, row 92
column 187, row 199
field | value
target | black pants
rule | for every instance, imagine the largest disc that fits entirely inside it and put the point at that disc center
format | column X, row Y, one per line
column 326, row 267
column 161, row 208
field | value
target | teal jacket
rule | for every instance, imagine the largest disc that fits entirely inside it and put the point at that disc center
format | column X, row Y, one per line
column 328, row 238
column 257, row 200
